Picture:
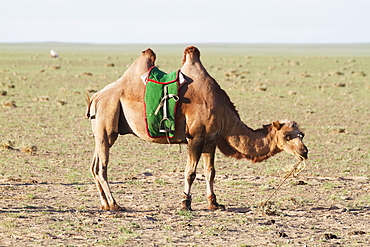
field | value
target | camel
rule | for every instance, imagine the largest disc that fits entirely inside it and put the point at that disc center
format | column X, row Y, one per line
column 205, row 119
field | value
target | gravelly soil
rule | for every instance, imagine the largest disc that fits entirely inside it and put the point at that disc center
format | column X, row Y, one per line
column 303, row 213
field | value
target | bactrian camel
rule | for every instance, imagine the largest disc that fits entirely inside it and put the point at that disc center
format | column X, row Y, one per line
column 205, row 119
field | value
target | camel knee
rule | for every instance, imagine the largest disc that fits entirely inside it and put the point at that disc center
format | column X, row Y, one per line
column 191, row 177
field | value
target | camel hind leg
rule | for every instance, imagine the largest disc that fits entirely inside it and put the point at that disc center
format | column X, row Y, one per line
column 105, row 129
column 99, row 168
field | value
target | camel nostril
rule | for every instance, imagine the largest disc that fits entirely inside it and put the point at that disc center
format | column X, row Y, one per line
column 305, row 155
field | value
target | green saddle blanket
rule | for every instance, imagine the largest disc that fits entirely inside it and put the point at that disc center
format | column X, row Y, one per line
column 161, row 96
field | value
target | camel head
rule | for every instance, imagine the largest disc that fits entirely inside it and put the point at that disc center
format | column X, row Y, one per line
column 191, row 53
column 289, row 138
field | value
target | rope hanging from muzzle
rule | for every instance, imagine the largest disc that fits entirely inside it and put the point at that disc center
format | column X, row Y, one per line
column 282, row 182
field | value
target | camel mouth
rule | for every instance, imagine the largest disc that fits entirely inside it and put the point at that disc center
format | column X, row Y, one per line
column 301, row 155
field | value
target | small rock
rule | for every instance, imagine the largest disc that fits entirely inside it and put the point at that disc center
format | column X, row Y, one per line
column 347, row 198
column 261, row 88
column 330, row 236
column 281, row 234
column 339, row 84
column 339, row 131
column 300, row 182
column 270, row 222
column 91, row 90
column 10, row 103
column 61, row 102
column 294, row 63
column 356, row 233
column 335, row 73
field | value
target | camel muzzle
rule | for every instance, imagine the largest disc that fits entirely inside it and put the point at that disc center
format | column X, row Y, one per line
column 304, row 153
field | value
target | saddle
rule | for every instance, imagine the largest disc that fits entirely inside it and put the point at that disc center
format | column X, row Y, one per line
column 160, row 101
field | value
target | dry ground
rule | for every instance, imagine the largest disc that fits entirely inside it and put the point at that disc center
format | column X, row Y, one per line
column 47, row 196
column 317, row 213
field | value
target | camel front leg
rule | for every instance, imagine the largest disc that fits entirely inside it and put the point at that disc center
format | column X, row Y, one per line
column 210, row 172
column 195, row 147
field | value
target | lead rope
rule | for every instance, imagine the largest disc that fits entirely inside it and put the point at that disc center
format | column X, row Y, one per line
column 282, row 182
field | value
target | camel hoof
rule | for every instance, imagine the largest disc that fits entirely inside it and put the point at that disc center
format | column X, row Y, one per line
column 213, row 205
column 217, row 207
column 186, row 205
column 186, row 202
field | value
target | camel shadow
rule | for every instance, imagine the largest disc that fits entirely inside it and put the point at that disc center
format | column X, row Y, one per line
column 239, row 209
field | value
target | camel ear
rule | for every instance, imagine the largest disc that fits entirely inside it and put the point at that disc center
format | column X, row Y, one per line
column 276, row 125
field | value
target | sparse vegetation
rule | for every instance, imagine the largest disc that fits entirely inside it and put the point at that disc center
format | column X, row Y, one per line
column 48, row 196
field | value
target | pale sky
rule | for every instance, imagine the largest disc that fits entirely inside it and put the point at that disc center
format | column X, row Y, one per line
column 185, row 21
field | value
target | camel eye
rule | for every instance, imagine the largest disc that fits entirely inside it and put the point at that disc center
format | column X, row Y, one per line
column 287, row 137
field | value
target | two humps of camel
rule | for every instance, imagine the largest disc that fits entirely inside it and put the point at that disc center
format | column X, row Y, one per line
column 205, row 119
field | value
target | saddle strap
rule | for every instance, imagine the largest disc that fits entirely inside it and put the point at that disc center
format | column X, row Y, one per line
column 163, row 102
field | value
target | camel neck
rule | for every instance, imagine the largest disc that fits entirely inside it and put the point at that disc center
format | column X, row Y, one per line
column 240, row 141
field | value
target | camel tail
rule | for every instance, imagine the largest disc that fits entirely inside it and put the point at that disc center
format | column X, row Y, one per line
column 88, row 101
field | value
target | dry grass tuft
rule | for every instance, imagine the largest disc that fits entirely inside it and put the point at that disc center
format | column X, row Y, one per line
column 294, row 63
column 61, row 102
column 55, row 67
column 232, row 73
column 267, row 208
column 333, row 73
column 26, row 148
column 9, row 103
column 339, row 130
column 339, row 84
column 7, row 145
column 360, row 73
column 29, row 149
column 41, row 98
column 260, row 88
column 91, row 90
